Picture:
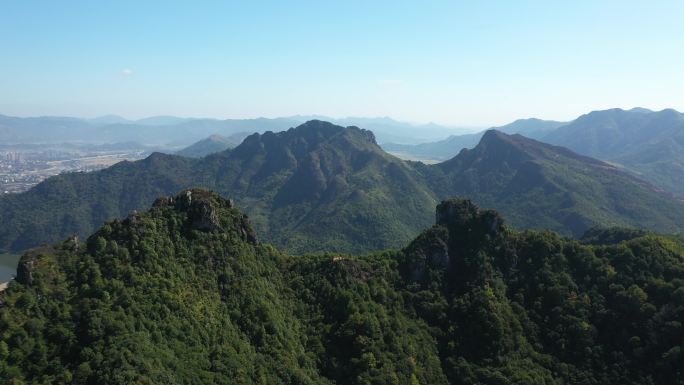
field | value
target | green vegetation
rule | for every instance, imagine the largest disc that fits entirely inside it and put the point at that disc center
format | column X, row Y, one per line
column 539, row 186
column 325, row 188
column 211, row 145
column 318, row 187
column 649, row 143
column 184, row 294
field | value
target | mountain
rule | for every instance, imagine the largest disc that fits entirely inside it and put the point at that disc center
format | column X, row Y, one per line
column 164, row 120
column 540, row 186
column 159, row 130
column 616, row 132
column 532, row 128
column 177, row 131
column 449, row 147
column 318, row 187
column 14, row 130
column 184, row 293
column 322, row 187
column 212, row 144
column 648, row 143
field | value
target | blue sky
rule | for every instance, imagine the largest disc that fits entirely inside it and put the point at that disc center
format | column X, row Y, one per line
column 475, row 63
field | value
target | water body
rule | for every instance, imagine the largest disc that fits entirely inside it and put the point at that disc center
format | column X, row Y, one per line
column 8, row 266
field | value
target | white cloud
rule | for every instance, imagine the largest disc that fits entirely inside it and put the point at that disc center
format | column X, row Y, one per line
column 126, row 72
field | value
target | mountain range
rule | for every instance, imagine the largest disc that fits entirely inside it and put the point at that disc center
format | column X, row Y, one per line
column 175, row 131
column 447, row 148
column 321, row 187
column 183, row 293
column 648, row 143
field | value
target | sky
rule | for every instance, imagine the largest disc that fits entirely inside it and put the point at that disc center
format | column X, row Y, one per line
column 460, row 63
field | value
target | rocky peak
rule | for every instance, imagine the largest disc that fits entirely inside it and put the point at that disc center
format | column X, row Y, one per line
column 462, row 215
column 452, row 247
column 205, row 211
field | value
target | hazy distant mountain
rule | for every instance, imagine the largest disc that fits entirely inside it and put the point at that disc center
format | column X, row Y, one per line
column 649, row 143
column 164, row 120
column 532, row 128
column 322, row 187
column 162, row 130
column 212, row 144
column 616, row 132
column 389, row 130
column 14, row 130
column 108, row 119
column 170, row 130
column 449, row 147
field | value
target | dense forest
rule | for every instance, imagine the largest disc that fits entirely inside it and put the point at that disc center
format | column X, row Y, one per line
column 186, row 294
column 325, row 188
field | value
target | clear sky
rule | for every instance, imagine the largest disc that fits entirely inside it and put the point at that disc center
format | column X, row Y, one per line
column 471, row 63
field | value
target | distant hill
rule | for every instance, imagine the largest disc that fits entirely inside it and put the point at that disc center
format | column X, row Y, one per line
column 318, row 187
column 322, row 187
column 449, row 147
column 648, row 143
column 151, row 131
column 184, row 293
column 537, row 185
column 212, row 144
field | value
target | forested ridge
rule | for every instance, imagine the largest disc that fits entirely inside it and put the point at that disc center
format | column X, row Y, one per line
column 325, row 188
column 185, row 293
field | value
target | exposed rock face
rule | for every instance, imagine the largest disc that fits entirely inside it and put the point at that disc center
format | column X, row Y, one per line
column 462, row 214
column 450, row 245
column 204, row 212
column 32, row 265
column 204, row 217
column 455, row 212
column 25, row 270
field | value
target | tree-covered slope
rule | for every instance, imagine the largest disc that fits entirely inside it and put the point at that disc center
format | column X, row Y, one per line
column 210, row 145
column 78, row 203
column 183, row 293
column 649, row 143
column 315, row 187
column 539, row 186
column 321, row 187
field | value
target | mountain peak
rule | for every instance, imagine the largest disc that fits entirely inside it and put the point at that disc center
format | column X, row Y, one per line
column 512, row 148
column 494, row 135
column 306, row 137
column 205, row 210
column 457, row 213
column 326, row 130
column 498, row 144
